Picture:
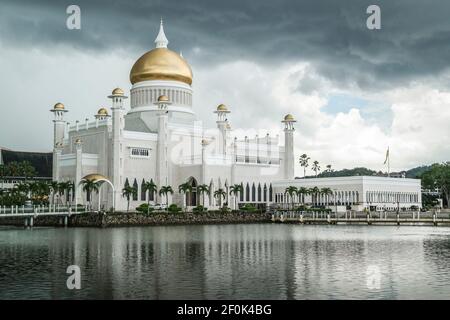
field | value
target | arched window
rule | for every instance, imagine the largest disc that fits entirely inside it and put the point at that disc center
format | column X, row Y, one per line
column 265, row 193
column 259, row 192
column 135, row 186
column 253, row 193
column 151, row 196
column 241, row 194
column 270, row 193
column 143, row 193
column 247, row 193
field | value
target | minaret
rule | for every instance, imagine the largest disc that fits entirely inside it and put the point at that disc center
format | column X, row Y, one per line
column 222, row 125
column 162, row 163
column 289, row 146
column 161, row 39
column 58, row 136
column 78, row 171
column 118, row 123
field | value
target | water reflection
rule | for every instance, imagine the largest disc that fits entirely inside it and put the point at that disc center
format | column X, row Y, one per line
column 227, row 261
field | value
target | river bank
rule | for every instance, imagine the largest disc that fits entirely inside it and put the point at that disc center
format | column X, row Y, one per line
column 119, row 219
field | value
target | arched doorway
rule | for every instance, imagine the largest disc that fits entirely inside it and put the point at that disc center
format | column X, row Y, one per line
column 191, row 197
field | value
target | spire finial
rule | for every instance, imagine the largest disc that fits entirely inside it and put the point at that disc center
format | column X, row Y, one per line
column 161, row 40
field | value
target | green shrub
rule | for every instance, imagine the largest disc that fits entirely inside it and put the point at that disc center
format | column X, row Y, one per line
column 225, row 209
column 173, row 208
column 200, row 209
column 144, row 208
column 248, row 208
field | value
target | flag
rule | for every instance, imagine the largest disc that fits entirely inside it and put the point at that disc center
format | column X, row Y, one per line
column 387, row 156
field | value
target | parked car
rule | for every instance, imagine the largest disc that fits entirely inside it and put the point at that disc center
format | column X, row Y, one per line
column 158, row 206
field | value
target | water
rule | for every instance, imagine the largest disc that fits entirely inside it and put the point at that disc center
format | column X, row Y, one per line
column 258, row 261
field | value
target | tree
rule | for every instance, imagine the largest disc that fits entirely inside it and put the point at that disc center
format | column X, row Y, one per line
column 219, row 194
column 203, row 189
column 88, row 187
column 185, row 188
column 316, row 167
column 128, row 192
column 302, row 192
column 326, row 192
column 151, row 187
column 63, row 189
column 329, row 168
column 291, row 191
column 166, row 190
column 54, row 189
column 314, row 192
column 304, row 159
column 236, row 190
column 438, row 177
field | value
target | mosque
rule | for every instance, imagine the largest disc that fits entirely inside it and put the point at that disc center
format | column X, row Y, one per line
column 159, row 139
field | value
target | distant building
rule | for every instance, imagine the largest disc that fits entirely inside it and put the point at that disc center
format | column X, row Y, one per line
column 41, row 161
column 357, row 192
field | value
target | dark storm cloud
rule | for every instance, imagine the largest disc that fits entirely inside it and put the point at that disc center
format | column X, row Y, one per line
column 414, row 41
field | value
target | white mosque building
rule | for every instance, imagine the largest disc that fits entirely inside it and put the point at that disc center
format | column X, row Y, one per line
column 160, row 139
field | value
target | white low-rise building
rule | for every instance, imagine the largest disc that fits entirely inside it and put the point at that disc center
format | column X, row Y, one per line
column 356, row 192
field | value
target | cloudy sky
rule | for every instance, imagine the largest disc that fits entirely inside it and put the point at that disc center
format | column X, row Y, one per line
column 354, row 91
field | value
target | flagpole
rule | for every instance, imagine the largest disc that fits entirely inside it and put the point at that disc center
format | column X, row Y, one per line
column 389, row 163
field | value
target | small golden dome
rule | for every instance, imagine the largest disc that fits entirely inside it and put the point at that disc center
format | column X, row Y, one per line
column 59, row 106
column 78, row 140
column 102, row 112
column 161, row 64
column 222, row 107
column 205, row 142
column 228, row 126
column 95, row 177
column 289, row 117
column 117, row 92
column 163, row 98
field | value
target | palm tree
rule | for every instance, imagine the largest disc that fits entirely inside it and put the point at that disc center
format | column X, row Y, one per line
column 202, row 189
column 151, row 187
column 70, row 192
column 54, row 189
column 88, row 187
column 329, row 168
column 165, row 190
column 127, row 192
column 63, row 189
column 316, row 167
column 219, row 194
column 326, row 192
column 185, row 188
column 314, row 192
column 301, row 192
column 291, row 191
column 236, row 189
column 304, row 162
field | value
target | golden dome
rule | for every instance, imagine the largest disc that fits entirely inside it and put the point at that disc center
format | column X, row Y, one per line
column 161, row 64
column 102, row 112
column 289, row 117
column 117, row 92
column 95, row 177
column 163, row 98
column 222, row 107
column 59, row 106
